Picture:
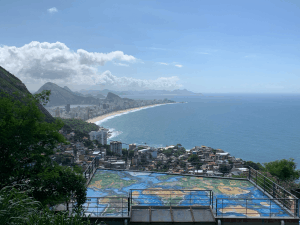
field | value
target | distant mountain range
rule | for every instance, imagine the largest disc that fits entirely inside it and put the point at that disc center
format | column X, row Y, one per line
column 184, row 92
column 62, row 96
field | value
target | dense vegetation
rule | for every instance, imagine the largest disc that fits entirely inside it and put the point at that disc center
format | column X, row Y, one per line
column 18, row 208
column 80, row 125
column 27, row 142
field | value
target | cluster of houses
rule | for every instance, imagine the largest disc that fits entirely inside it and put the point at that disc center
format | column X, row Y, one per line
column 209, row 161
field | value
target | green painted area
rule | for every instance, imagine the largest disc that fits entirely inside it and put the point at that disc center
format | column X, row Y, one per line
column 109, row 180
column 166, row 177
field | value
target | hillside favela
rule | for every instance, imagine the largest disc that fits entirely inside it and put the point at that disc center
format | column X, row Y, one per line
column 149, row 112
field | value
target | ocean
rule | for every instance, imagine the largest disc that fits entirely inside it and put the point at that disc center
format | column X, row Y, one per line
column 256, row 127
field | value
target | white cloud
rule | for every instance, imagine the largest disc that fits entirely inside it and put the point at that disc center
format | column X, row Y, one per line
column 178, row 65
column 54, row 62
column 203, row 53
column 53, row 10
column 162, row 63
column 128, row 83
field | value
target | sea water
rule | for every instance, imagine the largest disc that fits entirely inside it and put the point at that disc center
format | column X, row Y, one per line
column 256, row 127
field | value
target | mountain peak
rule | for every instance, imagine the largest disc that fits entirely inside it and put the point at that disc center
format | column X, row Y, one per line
column 68, row 89
column 62, row 96
column 112, row 96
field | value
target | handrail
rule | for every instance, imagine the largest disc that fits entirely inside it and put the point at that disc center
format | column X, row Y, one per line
column 90, row 170
column 171, row 197
column 271, row 188
column 107, row 206
column 252, row 207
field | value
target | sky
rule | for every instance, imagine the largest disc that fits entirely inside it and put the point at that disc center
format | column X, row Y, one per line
column 248, row 46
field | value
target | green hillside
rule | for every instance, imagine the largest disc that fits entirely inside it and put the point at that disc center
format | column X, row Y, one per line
column 80, row 125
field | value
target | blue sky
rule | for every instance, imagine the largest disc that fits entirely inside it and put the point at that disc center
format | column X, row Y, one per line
column 203, row 46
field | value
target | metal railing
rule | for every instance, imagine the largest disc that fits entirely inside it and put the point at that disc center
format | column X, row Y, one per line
column 90, row 170
column 254, row 207
column 171, row 197
column 284, row 197
column 107, row 207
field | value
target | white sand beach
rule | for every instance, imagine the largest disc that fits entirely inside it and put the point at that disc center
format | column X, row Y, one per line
column 102, row 117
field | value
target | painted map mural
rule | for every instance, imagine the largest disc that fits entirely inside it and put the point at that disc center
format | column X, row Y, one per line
column 119, row 184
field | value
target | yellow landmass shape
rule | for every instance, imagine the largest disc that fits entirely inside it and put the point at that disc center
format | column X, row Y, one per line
column 242, row 210
column 164, row 193
column 97, row 184
column 195, row 188
column 232, row 190
column 264, row 204
column 135, row 194
column 209, row 187
column 103, row 200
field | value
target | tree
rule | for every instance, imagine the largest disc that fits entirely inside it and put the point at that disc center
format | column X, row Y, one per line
column 58, row 184
column 124, row 152
column 256, row 166
column 168, row 152
column 283, row 169
column 27, row 142
column 131, row 154
column 224, row 168
column 182, row 164
column 193, row 158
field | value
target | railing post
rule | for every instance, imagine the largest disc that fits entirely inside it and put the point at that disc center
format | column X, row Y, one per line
column 222, row 207
column 256, row 177
column 284, row 198
column 212, row 202
column 274, row 190
column 270, row 207
column 246, row 207
column 296, row 207
column 249, row 173
column 128, row 205
column 264, row 184
column 216, row 207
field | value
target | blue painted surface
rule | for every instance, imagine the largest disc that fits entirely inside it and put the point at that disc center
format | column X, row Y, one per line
column 161, row 181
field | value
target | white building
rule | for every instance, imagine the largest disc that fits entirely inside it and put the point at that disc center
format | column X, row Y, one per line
column 100, row 136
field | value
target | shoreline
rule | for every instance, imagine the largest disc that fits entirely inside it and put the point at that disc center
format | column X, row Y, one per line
column 104, row 116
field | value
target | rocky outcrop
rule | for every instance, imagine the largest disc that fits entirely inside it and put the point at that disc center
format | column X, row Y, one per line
column 111, row 97
column 10, row 83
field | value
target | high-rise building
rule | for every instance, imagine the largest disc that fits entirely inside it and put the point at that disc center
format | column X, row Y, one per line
column 131, row 147
column 100, row 136
column 88, row 112
column 116, row 147
column 67, row 107
column 57, row 112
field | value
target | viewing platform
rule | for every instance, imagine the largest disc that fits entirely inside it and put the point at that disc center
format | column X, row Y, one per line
column 133, row 197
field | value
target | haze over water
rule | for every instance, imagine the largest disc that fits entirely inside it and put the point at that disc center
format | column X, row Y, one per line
column 257, row 127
